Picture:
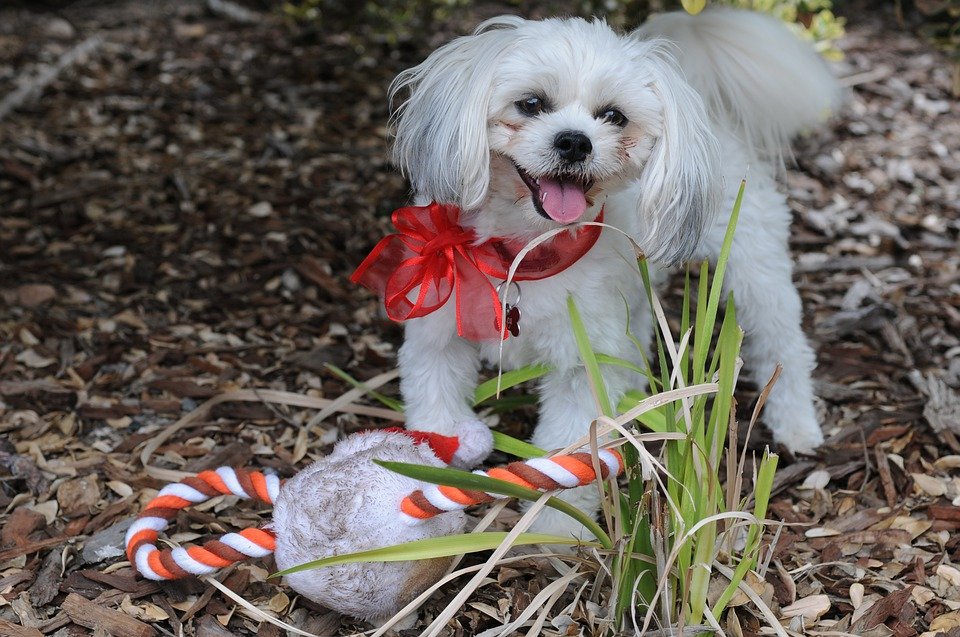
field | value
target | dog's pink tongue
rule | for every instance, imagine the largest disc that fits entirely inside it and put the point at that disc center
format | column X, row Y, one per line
column 564, row 201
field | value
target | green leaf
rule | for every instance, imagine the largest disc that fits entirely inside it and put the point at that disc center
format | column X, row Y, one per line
column 762, row 491
column 430, row 548
column 703, row 338
column 509, row 403
column 390, row 403
column 606, row 359
column 654, row 420
column 520, row 449
column 589, row 359
column 466, row 480
column 693, row 7
column 514, row 377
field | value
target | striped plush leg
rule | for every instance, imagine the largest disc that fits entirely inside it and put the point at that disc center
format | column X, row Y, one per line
column 155, row 564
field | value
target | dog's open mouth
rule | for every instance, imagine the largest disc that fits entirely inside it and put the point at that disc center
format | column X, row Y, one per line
column 562, row 198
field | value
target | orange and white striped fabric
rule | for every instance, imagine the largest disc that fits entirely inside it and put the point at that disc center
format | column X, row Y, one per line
column 168, row 564
column 541, row 474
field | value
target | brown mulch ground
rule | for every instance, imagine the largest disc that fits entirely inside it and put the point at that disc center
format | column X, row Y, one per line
column 179, row 212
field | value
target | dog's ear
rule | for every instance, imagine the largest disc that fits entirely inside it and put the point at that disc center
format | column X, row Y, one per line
column 681, row 185
column 440, row 129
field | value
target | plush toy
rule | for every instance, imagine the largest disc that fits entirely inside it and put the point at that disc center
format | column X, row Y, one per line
column 345, row 503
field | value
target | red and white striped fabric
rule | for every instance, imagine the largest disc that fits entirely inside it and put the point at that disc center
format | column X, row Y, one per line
column 541, row 474
column 168, row 564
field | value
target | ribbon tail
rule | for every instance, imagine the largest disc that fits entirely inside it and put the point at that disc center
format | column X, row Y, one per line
column 478, row 306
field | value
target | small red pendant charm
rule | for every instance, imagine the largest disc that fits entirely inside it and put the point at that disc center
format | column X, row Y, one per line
column 513, row 320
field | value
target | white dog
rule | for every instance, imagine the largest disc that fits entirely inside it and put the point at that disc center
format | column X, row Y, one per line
column 530, row 125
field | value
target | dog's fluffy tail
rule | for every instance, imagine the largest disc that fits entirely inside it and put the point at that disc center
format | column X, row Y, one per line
column 754, row 75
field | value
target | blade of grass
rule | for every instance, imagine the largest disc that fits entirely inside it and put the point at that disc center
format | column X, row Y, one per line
column 655, row 420
column 717, row 286
column 443, row 546
column 514, row 447
column 466, row 480
column 589, row 359
column 762, row 491
column 488, row 388
column 390, row 403
column 509, row 403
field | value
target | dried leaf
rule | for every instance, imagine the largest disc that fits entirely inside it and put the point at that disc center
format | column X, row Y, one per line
column 856, row 594
column 946, row 622
column 929, row 484
column 949, row 573
column 914, row 526
column 31, row 358
column 48, row 510
column 947, row 463
column 279, row 602
column 812, row 607
column 818, row 479
column 260, row 210
column 922, row 595
column 32, row 295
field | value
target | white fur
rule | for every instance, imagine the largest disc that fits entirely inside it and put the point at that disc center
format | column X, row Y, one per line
column 668, row 178
column 345, row 503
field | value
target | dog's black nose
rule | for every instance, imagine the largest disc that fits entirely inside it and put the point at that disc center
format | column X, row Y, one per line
column 573, row 146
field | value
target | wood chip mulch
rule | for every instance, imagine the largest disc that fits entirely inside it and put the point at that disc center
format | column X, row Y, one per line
column 181, row 208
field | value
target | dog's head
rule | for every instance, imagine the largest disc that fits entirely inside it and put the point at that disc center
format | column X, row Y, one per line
column 534, row 123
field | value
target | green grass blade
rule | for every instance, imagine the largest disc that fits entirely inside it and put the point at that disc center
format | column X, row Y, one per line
column 654, row 420
column 466, row 480
column 589, row 359
column 762, row 491
column 514, row 447
column 488, row 388
column 461, row 479
column 606, row 359
column 509, row 403
column 389, row 403
column 430, row 548
column 717, row 285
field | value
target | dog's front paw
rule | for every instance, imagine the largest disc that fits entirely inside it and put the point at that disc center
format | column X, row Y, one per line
column 800, row 439
column 798, row 432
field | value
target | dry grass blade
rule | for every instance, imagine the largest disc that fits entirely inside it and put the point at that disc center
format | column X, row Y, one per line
column 686, row 631
column 345, row 400
column 427, row 594
column 545, row 598
column 457, row 602
column 258, row 395
column 735, row 486
column 255, row 612
column 765, row 610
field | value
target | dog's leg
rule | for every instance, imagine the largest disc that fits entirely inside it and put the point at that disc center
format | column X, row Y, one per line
column 438, row 373
column 769, row 311
column 567, row 407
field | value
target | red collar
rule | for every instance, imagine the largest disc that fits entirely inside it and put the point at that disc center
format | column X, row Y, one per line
column 434, row 252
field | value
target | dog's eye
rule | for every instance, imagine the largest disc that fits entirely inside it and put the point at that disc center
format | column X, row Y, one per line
column 613, row 116
column 530, row 106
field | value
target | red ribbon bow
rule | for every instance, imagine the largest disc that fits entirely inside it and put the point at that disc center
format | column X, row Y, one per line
column 434, row 252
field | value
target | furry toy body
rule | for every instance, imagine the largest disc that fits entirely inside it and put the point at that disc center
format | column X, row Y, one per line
column 344, row 503
column 529, row 126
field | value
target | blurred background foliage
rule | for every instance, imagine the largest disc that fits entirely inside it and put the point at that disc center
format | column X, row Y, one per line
column 812, row 19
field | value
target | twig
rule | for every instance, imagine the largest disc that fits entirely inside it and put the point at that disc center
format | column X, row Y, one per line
column 31, row 89
column 886, row 479
column 233, row 11
column 873, row 75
